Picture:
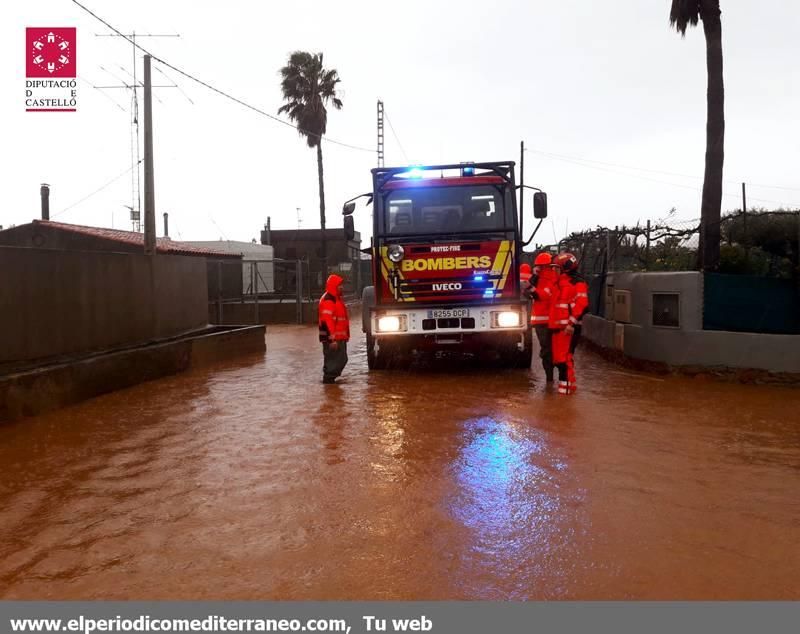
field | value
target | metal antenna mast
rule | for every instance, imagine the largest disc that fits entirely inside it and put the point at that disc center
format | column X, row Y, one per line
column 380, row 133
column 136, row 187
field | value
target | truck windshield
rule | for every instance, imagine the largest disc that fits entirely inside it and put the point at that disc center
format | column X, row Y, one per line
column 433, row 210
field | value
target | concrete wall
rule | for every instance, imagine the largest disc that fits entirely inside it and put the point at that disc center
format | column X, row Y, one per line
column 53, row 386
column 717, row 348
column 642, row 285
column 234, row 313
column 55, row 303
column 688, row 345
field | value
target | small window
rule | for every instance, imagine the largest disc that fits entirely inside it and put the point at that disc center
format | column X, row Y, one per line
column 667, row 310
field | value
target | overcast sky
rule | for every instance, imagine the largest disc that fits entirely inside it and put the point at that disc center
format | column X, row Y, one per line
column 462, row 80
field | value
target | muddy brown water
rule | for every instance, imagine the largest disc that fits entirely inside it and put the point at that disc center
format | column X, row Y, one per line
column 251, row 480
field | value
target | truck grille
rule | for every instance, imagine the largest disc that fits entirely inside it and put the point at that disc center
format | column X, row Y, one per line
column 466, row 323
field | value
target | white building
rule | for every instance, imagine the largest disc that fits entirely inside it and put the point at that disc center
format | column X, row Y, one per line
column 257, row 261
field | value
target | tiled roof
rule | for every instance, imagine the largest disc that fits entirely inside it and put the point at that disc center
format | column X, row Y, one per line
column 163, row 245
column 311, row 234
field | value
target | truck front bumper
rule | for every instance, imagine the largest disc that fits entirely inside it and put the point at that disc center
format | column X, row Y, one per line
column 446, row 322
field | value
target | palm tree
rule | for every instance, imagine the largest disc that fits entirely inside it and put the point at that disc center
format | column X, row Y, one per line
column 307, row 88
column 683, row 14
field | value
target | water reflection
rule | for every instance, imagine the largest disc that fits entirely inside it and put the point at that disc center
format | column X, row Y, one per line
column 508, row 496
column 329, row 420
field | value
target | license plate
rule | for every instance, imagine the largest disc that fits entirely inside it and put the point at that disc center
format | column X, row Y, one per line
column 446, row 313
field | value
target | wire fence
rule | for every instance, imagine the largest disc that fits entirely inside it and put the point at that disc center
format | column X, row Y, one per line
column 275, row 290
column 761, row 243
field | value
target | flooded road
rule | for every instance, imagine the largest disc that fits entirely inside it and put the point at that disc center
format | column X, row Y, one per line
column 252, row 480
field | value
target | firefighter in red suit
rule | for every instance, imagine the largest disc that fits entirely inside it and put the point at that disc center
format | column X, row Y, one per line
column 542, row 290
column 334, row 329
column 566, row 313
column 524, row 275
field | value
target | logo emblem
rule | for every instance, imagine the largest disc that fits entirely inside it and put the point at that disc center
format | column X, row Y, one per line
column 453, row 286
column 51, row 83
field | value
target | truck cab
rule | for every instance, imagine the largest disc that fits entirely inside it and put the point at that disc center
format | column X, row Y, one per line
column 445, row 263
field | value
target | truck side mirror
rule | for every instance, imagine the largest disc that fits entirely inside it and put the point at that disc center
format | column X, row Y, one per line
column 540, row 205
column 348, row 208
column 349, row 227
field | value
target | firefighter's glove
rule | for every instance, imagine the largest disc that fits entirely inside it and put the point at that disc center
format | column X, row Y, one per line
column 569, row 329
column 530, row 291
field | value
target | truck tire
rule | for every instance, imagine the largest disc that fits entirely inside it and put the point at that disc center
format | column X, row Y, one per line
column 375, row 359
column 367, row 302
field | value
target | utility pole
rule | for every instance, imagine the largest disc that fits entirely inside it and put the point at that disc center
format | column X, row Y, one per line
column 521, row 188
column 380, row 134
column 744, row 209
column 798, row 250
column 744, row 225
column 149, row 193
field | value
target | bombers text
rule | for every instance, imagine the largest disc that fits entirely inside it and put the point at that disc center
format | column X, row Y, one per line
column 446, row 264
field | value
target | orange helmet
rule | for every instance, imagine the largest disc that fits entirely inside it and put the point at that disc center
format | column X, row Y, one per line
column 566, row 261
column 543, row 259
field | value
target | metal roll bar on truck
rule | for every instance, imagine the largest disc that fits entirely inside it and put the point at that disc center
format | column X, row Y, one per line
column 446, row 247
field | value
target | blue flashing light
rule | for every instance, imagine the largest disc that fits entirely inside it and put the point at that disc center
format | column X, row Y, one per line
column 415, row 172
column 479, row 278
column 488, row 292
column 468, row 171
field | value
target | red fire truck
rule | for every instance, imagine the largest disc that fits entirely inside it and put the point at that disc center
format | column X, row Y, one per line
column 445, row 249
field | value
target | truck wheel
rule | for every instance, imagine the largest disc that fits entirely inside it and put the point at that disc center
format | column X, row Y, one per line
column 367, row 302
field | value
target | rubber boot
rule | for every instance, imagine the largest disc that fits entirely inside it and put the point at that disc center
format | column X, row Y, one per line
column 563, row 381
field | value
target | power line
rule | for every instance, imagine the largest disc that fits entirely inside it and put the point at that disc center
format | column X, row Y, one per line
column 652, row 180
column 217, row 90
column 396, row 138
column 96, row 191
column 585, row 160
column 652, row 171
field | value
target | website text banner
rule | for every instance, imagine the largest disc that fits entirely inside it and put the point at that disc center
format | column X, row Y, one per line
column 394, row 617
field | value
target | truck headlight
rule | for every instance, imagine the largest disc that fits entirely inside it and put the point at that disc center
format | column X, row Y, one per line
column 506, row 319
column 395, row 253
column 391, row 323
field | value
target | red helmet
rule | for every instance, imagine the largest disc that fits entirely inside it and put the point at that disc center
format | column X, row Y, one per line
column 566, row 261
column 543, row 259
column 524, row 269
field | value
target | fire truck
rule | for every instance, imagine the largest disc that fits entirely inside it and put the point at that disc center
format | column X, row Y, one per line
column 446, row 247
